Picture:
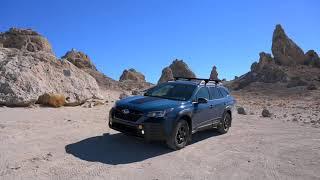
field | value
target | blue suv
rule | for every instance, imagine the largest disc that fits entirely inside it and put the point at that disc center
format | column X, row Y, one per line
column 174, row 110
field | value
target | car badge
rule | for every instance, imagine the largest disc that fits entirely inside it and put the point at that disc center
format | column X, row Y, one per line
column 125, row 111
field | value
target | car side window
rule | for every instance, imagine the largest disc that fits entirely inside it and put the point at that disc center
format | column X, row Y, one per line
column 203, row 93
column 224, row 92
column 215, row 93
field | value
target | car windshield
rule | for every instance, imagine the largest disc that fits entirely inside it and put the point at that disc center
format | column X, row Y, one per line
column 174, row 91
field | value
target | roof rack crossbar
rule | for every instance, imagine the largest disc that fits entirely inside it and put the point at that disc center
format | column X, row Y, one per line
column 216, row 81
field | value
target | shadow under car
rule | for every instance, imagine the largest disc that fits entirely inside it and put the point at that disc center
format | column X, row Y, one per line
column 121, row 149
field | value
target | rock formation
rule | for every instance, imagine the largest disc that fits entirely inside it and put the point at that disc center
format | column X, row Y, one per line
column 166, row 75
column 312, row 58
column 181, row 69
column 24, row 39
column 79, row 59
column 132, row 75
column 177, row 68
column 214, row 73
column 133, row 80
column 266, row 70
column 285, row 51
column 26, row 73
column 287, row 65
column 83, row 61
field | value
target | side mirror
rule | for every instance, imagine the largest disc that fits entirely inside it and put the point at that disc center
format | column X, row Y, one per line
column 202, row 101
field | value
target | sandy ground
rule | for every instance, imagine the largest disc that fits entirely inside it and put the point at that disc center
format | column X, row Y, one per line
column 75, row 143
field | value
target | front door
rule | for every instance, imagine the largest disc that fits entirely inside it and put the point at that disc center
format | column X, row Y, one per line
column 201, row 117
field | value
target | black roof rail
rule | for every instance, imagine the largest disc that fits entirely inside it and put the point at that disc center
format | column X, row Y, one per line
column 216, row 81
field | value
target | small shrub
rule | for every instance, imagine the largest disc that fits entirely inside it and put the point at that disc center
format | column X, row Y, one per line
column 53, row 100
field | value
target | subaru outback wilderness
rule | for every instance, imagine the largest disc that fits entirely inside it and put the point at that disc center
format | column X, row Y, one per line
column 174, row 110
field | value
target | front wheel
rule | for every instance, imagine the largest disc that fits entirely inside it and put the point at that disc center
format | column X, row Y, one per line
column 180, row 136
column 225, row 124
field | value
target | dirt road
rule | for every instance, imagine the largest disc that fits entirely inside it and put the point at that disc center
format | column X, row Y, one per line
column 75, row 143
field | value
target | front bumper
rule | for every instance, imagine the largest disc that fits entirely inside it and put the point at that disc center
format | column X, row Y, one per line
column 150, row 129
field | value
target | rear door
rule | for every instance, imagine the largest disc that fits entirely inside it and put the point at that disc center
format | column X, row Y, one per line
column 217, row 104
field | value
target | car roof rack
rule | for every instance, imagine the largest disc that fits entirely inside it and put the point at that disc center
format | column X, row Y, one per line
column 202, row 80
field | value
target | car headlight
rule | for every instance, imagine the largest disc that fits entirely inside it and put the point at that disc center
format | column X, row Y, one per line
column 158, row 114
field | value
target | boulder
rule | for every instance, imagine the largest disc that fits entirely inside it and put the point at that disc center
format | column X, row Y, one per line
column 265, row 113
column 79, row 59
column 53, row 100
column 25, row 39
column 166, row 75
column 214, row 73
column 132, row 75
column 241, row 111
column 285, row 51
column 24, row 76
column 181, row 69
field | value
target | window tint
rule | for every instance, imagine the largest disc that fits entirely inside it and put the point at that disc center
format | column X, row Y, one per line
column 215, row 93
column 203, row 93
column 173, row 91
column 224, row 92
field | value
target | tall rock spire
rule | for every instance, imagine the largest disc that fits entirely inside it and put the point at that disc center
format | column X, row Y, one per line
column 285, row 51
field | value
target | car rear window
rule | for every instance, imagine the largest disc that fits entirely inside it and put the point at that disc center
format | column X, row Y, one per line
column 215, row 93
column 224, row 92
column 203, row 93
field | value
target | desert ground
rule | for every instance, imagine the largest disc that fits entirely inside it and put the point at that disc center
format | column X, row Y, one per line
column 76, row 143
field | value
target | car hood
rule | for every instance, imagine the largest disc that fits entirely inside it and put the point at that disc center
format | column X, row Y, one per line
column 146, row 103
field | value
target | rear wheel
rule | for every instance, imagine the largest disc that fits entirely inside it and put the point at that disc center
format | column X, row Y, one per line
column 180, row 136
column 225, row 124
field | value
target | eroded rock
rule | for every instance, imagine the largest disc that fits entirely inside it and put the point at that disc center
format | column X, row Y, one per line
column 180, row 69
column 214, row 73
column 25, row 39
column 24, row 76
column 132, row 75
column 166, row 75
column 79, row 59
column 285, row 51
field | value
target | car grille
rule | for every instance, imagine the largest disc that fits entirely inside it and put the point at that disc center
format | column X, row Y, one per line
column 133, row 115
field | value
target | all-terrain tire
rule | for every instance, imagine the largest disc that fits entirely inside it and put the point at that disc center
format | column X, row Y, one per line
column 180, row 136
column 225, row 123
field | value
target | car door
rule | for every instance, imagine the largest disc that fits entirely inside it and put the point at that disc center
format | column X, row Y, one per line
column 217, row 104
column 201, row 110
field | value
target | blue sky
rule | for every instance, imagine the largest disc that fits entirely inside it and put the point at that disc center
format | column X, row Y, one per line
column 148, row 34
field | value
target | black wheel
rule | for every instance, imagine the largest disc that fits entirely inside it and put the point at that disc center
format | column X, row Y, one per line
column 225, row 124
column 180, row 136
